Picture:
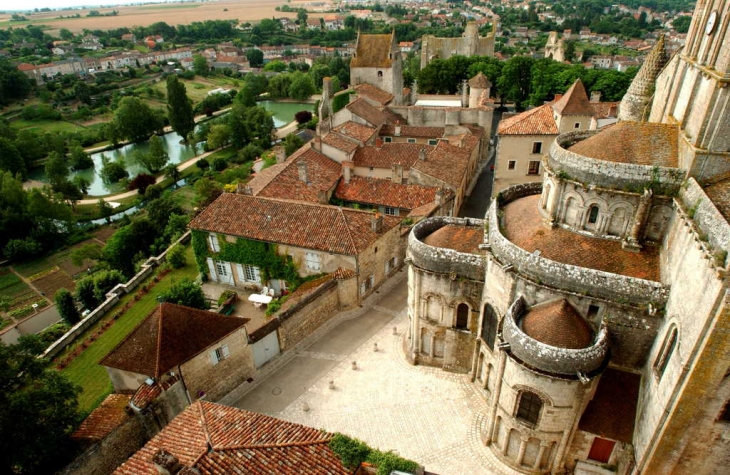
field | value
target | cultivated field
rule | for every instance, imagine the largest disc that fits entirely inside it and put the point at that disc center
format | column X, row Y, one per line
column 144, row 15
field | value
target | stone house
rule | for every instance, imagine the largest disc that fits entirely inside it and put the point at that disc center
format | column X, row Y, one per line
column 602, row 344
column 377, row 61
column 177, row 355
column 252, row 241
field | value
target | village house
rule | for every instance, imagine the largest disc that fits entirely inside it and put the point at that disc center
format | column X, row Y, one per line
column 177, row 355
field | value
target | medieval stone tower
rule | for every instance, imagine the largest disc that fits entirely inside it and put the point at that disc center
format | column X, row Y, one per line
column 554, row 48
column 469, row 44
column 377, row 61
column 602, row 343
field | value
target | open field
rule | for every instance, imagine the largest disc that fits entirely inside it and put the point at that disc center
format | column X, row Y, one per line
column 46, row 125
column 145, row 15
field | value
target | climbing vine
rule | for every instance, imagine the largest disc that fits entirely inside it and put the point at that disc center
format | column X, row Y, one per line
column 245, row 251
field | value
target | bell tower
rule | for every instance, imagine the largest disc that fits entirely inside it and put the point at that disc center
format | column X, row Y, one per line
column 692, row 91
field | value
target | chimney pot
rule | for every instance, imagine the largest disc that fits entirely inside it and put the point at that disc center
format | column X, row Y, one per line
column 346, row 172
column 165, row 462
column 422, row 154
column 302, row 167
column 377, row 223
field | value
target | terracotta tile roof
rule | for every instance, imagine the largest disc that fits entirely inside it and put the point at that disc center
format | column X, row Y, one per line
column 524, row 227
column 26, row 67
column 537, row 121
column 368, row 112
column 372, row 51
column 405, row 154
column 617, row 394
column 605, row 110
column 343, row 274
column 108, row 416
column 322, row 176
column 557, row 324
column 375, row 191
column 459, row 238
column 640, row 143
column 423, row 211
column 359, row 132
column 719, row 194
column 217, row 440
column 147, row 393
column 338, row 141
column 374, row 93
column 447, row 162
column 167, row 337
column 575, row 101
column 413, row 131
column 294, row 223
column 480, row 81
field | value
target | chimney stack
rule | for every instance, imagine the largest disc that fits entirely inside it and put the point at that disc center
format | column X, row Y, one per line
column 422, row 154
column 596, row 96
column 322, row 197
column 439, row 199
column 378, row 142
column 347, row 170
column 165, row 462
column 397, row 129
column 396, row 173
column 376, row 223
column 302, row 166
column 244, row 189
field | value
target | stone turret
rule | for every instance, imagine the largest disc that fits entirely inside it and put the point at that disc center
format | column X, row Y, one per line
column 636, row 103
column 477, row 86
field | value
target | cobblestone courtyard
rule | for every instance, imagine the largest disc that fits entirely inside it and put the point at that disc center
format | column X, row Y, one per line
column 425, row 414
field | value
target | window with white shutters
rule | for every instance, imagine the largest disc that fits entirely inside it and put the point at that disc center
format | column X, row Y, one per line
column 213, row 241
column 312, row 261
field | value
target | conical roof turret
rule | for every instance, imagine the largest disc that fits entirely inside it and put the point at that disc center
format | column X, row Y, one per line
column 636, row 103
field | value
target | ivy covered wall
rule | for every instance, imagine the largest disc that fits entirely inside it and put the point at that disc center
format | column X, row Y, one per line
column 245, row 251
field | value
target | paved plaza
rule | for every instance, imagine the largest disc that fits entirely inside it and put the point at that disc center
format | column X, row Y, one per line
column 425, row 414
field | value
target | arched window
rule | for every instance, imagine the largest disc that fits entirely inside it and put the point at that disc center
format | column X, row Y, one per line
column 489, row 326
column 380, row 74
column 462, row 316
column 665, row 353
column 529, row 407
column 593, row 214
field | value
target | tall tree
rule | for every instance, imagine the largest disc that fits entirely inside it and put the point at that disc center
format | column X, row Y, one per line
column 135, row 121
column 66, row 306
column 156, row 157
column 10, row 158
column 38, row 410
column 179, row 108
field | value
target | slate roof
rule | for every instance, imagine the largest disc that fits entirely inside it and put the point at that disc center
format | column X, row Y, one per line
column 575, row 101
column 557, row 324
column 322, row 176
column 537, row 121
column 640, row 143
column 405, row 154
column 459, row 238
column 168, row 337
column 359, row 132
column 110, row 414
column 375, row 191
column 294, row 223
column 372, row 51
column 413, row 131
column 374, row 93
column 217, row 439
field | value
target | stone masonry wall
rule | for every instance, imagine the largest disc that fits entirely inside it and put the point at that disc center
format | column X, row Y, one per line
column 706, row 215
column 621, row 176
column 304, row 320
column 568, row 277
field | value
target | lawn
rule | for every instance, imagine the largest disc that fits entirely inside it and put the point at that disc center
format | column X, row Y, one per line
column 85, row 370
column 46, row 125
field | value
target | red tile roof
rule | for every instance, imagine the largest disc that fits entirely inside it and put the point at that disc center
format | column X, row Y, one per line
column 537, row 121
column 388, row 154
column 169, row 336
column 447, row 162
column 557, row 324
column 147, row 393
column 104, row 419
column 322, row 176
column 359, row 132
column 306, row 225
column 333, row 139
column 374, row 93
column 26, row 67
column 412, row 131
column 641, row 143
column 459, row 238
column 373, row 51
column 575, row 101
column 218, row 440
column 368, row 112
column 374, row 191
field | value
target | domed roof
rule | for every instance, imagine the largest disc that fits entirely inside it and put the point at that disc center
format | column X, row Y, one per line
column 557, row 324
column 459, row 238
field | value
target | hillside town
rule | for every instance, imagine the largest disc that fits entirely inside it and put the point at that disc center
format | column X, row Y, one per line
column 366, row 238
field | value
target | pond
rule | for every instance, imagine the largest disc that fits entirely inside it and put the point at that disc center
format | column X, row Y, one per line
column 284, row 111
column 178, row 153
